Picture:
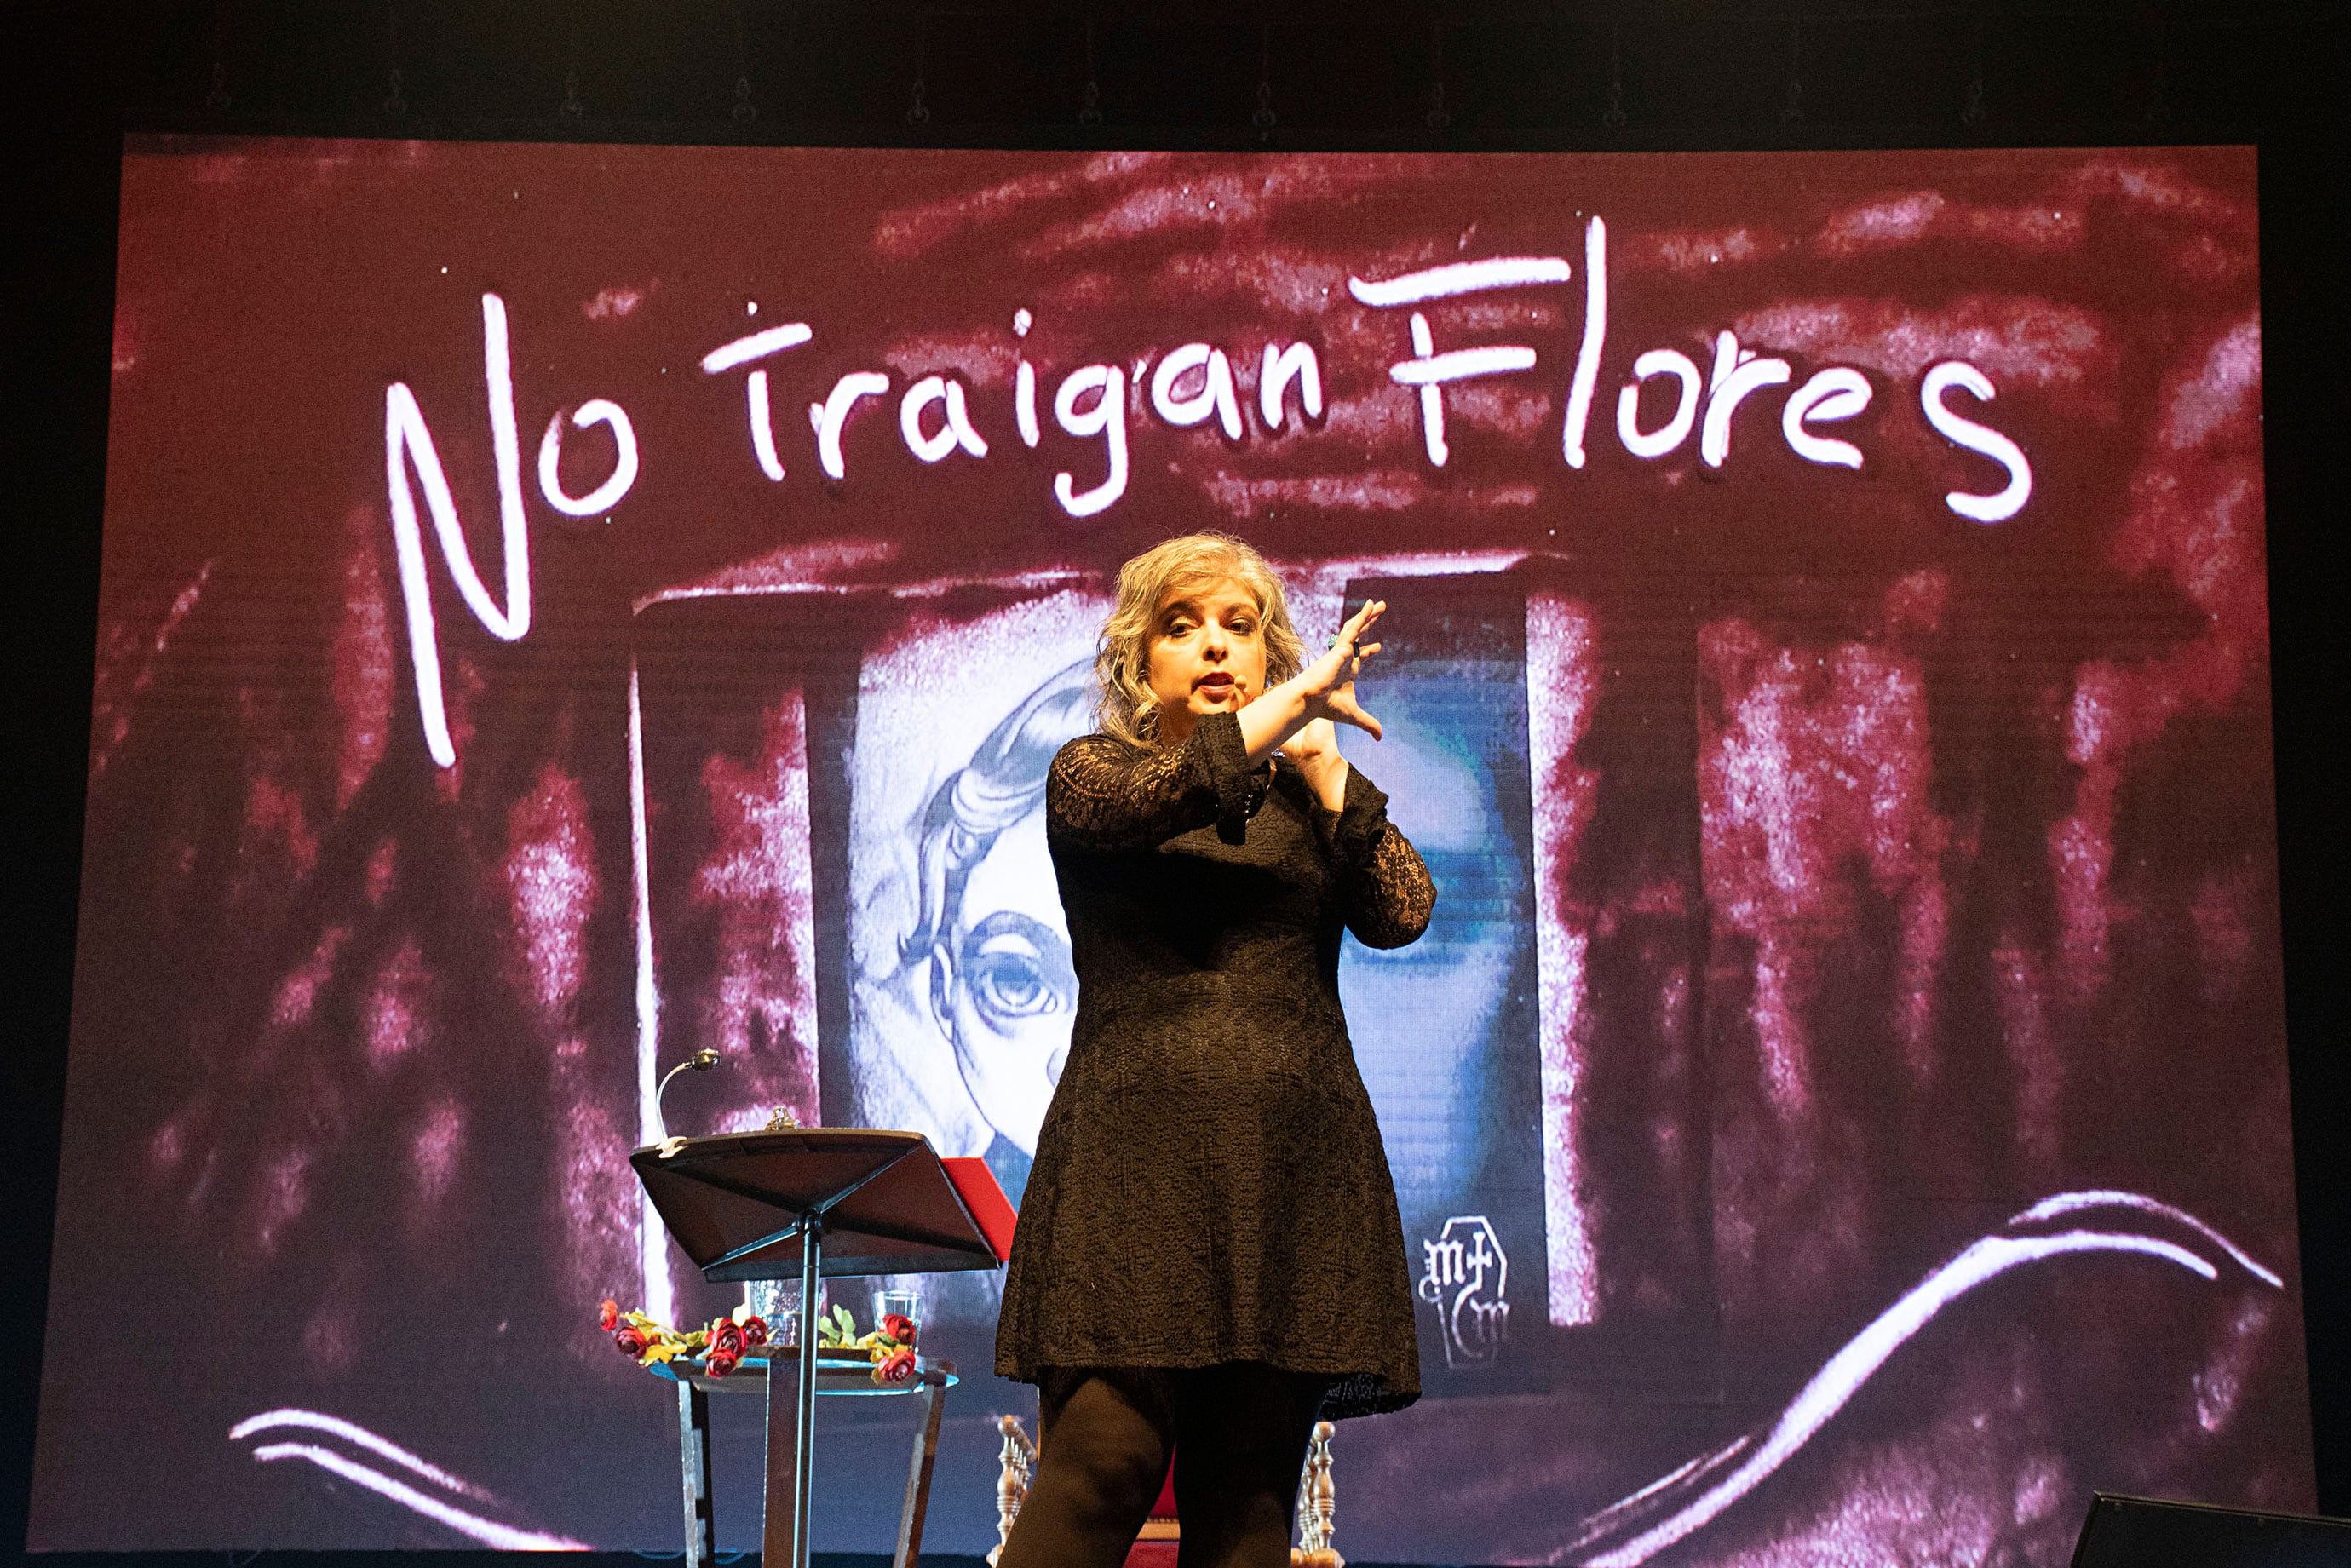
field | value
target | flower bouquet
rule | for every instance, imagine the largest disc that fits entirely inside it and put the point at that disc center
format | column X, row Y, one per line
column 722, row 1345
column 649, row 1341
column 890, row 1347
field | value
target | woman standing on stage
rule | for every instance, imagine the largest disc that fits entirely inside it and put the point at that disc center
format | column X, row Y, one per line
column 1208, row 1253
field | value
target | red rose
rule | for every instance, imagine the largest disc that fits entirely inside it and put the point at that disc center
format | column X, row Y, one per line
column 608, row 1314
column 727, row 1339
column 631, row 1342
column 718, row 1363
column 896, row 1367
column 899, row 1327
column 755, row 1332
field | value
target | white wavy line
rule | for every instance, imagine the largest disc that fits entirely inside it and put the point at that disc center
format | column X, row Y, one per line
column 489, row 1532
column 935, row 587
column 1662, row 1482
column 1843, row 1375
column 354, row 1433
column 2067, row 1202
column 1596, row 1525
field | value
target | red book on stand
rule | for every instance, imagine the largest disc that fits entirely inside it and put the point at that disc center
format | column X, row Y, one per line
column 975, row 1184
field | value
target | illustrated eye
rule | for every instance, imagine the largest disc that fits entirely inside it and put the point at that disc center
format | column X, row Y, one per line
column 1012, row 986
column 1015, row 969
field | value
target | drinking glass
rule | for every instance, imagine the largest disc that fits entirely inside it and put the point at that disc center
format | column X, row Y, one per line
column 907, row 1304
column 779, row 1302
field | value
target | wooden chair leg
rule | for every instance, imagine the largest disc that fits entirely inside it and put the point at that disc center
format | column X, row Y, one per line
column 1317, row 1507
column 1019, row 1457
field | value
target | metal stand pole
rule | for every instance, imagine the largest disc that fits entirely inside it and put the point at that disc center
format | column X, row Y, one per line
column 804, row 1425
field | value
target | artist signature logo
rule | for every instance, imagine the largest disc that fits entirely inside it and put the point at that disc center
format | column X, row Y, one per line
column 1466, row 1273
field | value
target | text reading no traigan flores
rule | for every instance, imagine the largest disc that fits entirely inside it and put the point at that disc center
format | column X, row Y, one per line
column 1189, row 386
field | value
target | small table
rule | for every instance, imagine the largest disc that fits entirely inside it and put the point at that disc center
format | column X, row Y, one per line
column 842, row 1377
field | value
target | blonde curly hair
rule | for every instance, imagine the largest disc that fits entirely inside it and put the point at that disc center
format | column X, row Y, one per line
column 1123, row 706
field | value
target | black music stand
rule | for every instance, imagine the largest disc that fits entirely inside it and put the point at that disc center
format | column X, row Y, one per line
column 808, row 1203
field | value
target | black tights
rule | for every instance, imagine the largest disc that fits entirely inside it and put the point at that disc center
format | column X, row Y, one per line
column 1104, row 1437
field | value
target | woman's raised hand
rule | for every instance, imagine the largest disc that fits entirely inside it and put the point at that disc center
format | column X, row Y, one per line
column 1320, row 694
column 1328, row 683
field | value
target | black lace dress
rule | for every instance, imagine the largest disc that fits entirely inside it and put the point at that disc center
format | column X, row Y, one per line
column 1209, row 1183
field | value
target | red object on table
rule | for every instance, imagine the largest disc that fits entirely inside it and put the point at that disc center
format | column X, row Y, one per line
column 975, row 1184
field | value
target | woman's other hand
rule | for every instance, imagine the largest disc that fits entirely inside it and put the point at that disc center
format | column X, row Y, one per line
column 1316, row 752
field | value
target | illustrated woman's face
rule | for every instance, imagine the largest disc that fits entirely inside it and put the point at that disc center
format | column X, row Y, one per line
column 1015, row 992
column 1207, row 653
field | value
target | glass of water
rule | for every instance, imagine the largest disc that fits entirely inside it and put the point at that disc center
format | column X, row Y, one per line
column 779, row 1302
column 906, row 1303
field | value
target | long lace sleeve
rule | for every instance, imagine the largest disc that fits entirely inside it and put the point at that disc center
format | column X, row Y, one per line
column 1102, row 794
column 1388, row 894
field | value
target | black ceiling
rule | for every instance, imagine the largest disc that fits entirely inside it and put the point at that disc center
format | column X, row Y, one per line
column 1497, row 74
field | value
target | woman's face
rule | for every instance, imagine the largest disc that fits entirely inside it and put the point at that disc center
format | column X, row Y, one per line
column 1206, row 653
column 1015, row 992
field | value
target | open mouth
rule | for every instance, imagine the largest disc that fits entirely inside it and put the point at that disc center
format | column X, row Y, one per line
column 1213, row 686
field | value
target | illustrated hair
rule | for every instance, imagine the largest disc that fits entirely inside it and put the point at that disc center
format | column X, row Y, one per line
column 978, row 802
column 1123, row 706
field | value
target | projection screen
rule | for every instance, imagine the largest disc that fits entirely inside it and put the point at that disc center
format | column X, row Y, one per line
column 565, row 607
